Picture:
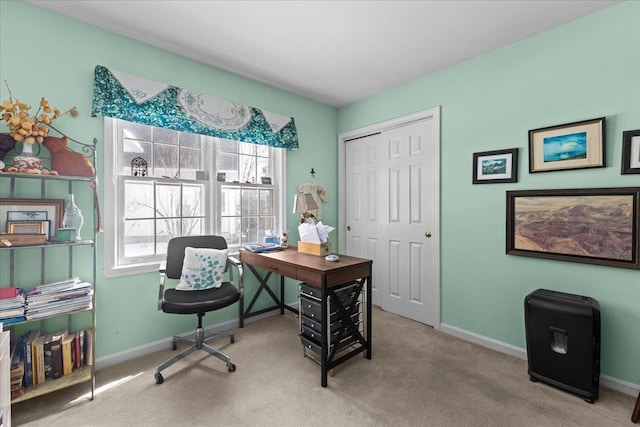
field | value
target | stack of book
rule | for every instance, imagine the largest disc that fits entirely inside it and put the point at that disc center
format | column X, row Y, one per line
column 37, row 357
column 12, row 305
column 58, row 298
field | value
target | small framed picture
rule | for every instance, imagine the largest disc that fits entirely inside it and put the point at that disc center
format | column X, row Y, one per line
column 222, row 177
column 578, row 145
column 28, row 227
column 491, row 167
column 32, row 210
column 265, row 179
column 630, row 152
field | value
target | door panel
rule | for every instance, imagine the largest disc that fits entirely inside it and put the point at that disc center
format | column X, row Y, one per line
column 393, row 174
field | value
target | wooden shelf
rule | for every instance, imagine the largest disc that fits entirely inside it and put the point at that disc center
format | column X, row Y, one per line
column 78, row 376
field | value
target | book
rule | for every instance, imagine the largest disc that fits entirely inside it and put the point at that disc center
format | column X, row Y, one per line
column 262, row 247
column 9, row 292
column 67, row 353
column 56, row 355
column 48, row 368
column 79, row 348
column 88, row 346
column 39, row 351
column 17, row 369
column 26, row 341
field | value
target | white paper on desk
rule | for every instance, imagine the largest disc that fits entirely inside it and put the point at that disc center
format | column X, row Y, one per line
column 322, row 232
column 308, row 233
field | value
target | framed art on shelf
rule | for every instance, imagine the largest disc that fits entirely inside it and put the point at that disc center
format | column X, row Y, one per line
column 33, row 209
column 490, row 167
column 594, row 226
column 630, row 152
column 578, row 145
column 28, row 227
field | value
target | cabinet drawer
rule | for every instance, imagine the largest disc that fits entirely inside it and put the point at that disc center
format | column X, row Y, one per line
column 278, row 268
column 314, row 324
column 310, row 344
column 311, row 334
column 311, row 308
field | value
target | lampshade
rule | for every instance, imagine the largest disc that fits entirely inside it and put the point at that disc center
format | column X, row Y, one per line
column 303, row 202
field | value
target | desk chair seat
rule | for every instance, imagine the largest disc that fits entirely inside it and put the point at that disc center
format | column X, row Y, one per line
column 197, row 302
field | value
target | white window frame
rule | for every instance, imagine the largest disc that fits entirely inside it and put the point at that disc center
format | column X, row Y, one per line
column 114, row 199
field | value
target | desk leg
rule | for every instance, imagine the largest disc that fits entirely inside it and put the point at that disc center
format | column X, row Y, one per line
column 282, row 294
column 324, row 347
column 636, row 411
column 368, row 332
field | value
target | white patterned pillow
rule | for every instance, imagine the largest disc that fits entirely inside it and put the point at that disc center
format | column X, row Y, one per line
column 202, row 268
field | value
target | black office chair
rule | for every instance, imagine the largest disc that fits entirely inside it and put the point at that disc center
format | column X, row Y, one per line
column 197, row 301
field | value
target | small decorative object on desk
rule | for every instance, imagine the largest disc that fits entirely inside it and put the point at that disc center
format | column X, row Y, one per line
column 72, row 216
column 284, row 242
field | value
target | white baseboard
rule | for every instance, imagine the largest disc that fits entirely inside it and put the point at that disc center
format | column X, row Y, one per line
column 165, row 343
column 521, row 353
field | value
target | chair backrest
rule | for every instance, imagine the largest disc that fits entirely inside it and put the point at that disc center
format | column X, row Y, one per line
column 177, row 245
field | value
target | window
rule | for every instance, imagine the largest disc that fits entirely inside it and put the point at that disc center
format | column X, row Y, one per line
column 165, row 183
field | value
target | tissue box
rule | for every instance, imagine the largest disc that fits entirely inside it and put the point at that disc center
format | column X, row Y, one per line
column 314, row 248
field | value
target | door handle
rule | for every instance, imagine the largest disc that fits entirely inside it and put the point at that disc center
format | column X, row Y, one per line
column 348, row 228
column 427, row 234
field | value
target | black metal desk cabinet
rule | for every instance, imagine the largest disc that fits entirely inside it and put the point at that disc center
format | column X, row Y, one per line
column 563, row 341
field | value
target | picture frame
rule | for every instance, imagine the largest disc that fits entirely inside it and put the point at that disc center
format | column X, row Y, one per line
column 28, row 227
column 630, row 152
column 498, row 166
column 265, row 179
column 578, row 145
column 221, row 177
column 593, row 226
column 54, row 209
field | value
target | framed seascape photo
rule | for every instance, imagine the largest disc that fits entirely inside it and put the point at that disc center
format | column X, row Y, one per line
column 630, row 152
column 20, row 210
column 594, row 226
column 578, row 145
column 490, row 167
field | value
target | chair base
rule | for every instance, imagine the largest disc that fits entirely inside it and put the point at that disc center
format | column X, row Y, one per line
column 200, row 341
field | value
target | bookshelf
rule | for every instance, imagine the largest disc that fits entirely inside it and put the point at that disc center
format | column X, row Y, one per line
column 53, row 261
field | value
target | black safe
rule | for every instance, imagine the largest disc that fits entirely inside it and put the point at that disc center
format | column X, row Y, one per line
column 563, row 341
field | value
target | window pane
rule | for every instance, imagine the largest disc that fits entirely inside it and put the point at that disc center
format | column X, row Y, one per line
column 190, row 140
column 193, row 227
column 189, row 163
column 138, row 199
column 230, row 201
column 227, row 163
column 166, row 229
column 264, row 168
column 230, row 230
column 249, row 230
column 138, row 238
column 135, row 130
column 165, row 136
column 167, row 200
column 246, row 148
column 166, row 161
column 134, row 149
column 249, row 201
column 267, row 201
column 267, row 223
column 227, row 146
column 247, row 169
column 263, row 150
column 192, row 200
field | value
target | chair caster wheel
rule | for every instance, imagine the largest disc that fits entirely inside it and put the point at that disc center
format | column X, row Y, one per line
column 231, row 367
column 533, row 380
column 174, row 345
column 589, row 400
column 159, row 378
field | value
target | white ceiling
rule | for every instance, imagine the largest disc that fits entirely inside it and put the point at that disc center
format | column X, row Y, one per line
column 334, row 52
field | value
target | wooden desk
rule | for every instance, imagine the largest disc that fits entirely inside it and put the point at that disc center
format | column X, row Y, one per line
column 316, row 271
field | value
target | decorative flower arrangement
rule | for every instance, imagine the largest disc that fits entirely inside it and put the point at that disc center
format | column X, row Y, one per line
column 27, row 128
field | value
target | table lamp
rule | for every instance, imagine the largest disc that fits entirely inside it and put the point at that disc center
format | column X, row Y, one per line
column 302, row 204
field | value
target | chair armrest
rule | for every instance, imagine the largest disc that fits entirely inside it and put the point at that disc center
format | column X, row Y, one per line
column 162, row 270
column 237, row 265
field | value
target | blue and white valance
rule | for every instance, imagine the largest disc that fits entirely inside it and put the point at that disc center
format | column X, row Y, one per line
column 127, row 97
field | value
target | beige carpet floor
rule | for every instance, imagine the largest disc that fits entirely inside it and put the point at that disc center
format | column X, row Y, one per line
column 417, row 377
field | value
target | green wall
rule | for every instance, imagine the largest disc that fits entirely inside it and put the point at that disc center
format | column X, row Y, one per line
column 54, row 56
column 582, row 70
column 585, row 69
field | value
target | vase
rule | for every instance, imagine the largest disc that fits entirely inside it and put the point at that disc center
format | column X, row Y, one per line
column 27, row 159
column 72, row 216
